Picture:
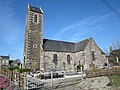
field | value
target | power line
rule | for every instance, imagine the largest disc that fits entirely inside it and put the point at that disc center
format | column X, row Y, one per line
column 111, row 8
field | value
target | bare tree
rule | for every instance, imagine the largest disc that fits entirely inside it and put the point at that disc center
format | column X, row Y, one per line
column 114, row 56
column 116, row 45
column 106, row 52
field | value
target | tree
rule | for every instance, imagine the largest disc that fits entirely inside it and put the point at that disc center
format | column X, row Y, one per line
column 21, row 70
column 11, row 69
column 116, row 45
column 106, row 52
column 114, row 55
column 79, row 67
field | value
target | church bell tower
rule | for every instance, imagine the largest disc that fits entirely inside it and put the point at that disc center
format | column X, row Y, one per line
column 33, row 41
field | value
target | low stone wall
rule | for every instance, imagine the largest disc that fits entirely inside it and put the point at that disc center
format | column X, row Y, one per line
column 103, row 72
column 76, row 83
column 98, row 83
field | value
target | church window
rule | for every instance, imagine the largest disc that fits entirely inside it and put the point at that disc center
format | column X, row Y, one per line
column 105, row 64
column 68, row 59
column 35, row 18
column 55, row 59
column 93, row 55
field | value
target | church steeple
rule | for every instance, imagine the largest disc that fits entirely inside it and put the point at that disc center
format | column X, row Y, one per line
column 33, row 37
column 35, row 9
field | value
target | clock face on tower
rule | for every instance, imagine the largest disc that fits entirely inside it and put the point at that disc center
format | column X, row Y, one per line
column 34, row 45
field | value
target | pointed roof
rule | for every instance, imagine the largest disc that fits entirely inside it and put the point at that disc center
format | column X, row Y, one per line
column 80, row 46
column 36, row 9
column 97, row 46
column 62, row 46
column 5, row 57
column 58, row 46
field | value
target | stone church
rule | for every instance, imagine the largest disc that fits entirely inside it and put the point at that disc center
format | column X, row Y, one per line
column 45, row 54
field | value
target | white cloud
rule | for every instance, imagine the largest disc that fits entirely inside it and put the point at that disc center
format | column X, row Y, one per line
column 86, row 26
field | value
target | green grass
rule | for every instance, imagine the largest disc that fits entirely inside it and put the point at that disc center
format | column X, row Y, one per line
column 114, row 81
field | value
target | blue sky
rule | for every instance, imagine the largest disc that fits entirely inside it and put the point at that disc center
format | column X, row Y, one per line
column 66, row 20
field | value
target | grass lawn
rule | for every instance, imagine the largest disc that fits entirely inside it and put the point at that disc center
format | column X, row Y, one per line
column 114, row 81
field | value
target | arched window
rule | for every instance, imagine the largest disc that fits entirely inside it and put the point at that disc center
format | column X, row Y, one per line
column 35, row 18
column 93, row 55
column 55, row 59
column 68, row 59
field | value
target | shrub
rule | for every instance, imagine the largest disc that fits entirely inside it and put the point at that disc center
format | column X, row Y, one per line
column 79, row 67
column 114, row 80
column 109, row 84
column 13, row 68
column 23, row 70
column 41, row 76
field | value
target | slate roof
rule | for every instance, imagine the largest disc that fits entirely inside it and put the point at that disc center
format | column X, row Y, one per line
column 35, row 9
column 102, row 52
column 5, row 57
column 80, row 46
column 61, row 46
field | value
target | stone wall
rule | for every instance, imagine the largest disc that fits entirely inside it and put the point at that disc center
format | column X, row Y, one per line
column 76, row 83
column 62, row 57
column 84, row 57
column 99, row 58
column 98, row 83
column 33, row 39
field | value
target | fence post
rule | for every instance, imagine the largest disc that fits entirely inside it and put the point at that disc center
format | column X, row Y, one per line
column 51, row 79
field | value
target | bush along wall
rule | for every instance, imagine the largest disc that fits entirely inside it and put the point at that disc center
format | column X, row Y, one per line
column 79, row 67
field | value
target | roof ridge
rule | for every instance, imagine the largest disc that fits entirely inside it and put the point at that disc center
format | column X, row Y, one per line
column 33, row 6
column 61, row 41
column 84, row 40
column 36, row 9
column 80, row 46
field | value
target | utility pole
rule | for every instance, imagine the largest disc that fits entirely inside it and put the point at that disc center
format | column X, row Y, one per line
column 18, row 79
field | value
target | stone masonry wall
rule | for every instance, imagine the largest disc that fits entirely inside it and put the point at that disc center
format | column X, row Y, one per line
column 62, row 57
column 84, row 57
column 33, row 39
